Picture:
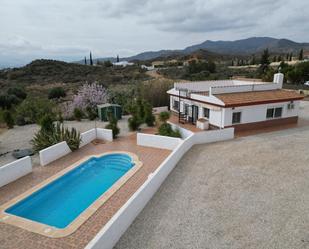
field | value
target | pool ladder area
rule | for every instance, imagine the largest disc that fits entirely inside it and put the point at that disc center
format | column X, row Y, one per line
column 119, row 164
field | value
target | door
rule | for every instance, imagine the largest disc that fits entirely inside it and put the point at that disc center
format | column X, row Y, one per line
column 194, row 114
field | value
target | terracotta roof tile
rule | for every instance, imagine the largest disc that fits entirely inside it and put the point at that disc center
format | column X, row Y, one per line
column 258, row 97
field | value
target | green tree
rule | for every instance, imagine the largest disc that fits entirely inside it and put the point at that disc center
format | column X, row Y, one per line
column 301, row 55
column 18, row 92
column 112, row 125
column 149, row 118
column 90, row 58
column 264, row 61
column 47, row 123
column 108, row 63
column 56, row 93
column 279, row 58
column 8, row 119
column 33, row 109
column 78, row 114
column 164, row 116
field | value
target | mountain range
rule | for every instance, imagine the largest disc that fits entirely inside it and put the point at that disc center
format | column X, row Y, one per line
column 253, row 45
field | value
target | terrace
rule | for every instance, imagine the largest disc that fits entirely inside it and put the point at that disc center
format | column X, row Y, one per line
column 15, row 237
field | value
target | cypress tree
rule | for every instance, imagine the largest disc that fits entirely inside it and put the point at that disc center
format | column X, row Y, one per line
column 85, row 60
column 279, row 58
column 91, row 62
column 117, row 58
column 301, row 55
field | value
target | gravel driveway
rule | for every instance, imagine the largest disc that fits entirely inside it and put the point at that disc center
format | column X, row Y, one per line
column 251, row 192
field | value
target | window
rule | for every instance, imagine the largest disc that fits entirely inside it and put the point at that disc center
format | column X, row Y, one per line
column 274, row 112
column 206, row 112
column 270, row 113
column 278, row 112
column 236, row 117
column 176, row 105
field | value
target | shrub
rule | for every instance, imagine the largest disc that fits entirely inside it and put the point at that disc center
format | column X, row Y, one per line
column 164, row 116
column 134, row 123
column 149, row 118
column 78, row 114
column 47, row 123
column 59, row 133
column 20, row 120
column 8, row 119
column 92, row 112
column 165, row 129
column 33, row 109
column 7, row 101
column 56, row 93
column 18, row 92
column 113, row 126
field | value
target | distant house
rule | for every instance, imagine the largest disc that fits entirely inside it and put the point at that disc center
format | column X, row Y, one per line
column 123, row 63
column 148, row 68
column 235, row 103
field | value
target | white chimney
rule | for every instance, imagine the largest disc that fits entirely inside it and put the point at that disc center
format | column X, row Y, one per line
column 278, row 79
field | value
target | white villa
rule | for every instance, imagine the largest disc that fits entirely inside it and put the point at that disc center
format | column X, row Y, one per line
column 235, row 103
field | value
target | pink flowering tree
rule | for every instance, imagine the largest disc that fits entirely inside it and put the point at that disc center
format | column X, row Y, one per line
column 89, row 95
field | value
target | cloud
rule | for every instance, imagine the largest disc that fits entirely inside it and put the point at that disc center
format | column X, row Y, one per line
column 69, row 29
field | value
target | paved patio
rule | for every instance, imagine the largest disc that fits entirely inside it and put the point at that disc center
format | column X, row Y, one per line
column 12, row 237
column 251, row 192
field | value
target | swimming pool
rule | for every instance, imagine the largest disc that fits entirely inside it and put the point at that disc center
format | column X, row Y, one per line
column 61, row 201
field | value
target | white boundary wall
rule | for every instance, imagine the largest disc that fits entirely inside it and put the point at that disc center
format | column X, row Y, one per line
column 53, row 153
column 14, row 170
column 211, row 136
column 87, row 137
column 59, row 150
column 157, row 141
column 119, row 223
column 184, row 132
column 104, row 134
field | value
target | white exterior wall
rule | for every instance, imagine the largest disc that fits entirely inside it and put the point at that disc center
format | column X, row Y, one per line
column 216, row 117
column 14, row 170
column 257, row 113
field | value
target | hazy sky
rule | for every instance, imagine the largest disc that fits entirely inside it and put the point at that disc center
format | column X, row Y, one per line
column 69, row 29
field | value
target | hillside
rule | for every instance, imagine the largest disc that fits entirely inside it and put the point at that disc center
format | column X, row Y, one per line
column 247, row 46
column 45, row 73
column 250, row 46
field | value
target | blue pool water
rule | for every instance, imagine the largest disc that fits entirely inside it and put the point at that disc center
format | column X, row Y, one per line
column 61, row 201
